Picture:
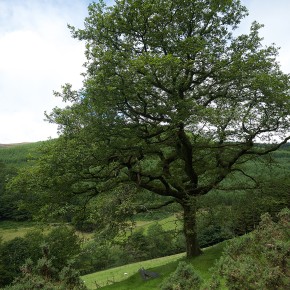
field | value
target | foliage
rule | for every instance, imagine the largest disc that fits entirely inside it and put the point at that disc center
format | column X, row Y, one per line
column 62, row 244
column 57, row 248
column 101, row 253
column 156, row 242
column 184, row 278
column 13, row 255
column 8, row 203
column 160, row 242
column 136, row 247
column 211, row 228
column 12, row 158
column 259, row 260
column 97, row 255
column 224, row 214
column 271, row 197
column 44, row 276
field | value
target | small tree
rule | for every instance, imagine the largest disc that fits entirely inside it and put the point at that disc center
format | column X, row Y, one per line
column 160, row 242
column 62, row 245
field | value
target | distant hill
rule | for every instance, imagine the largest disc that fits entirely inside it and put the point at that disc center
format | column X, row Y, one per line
column 14, row 144
column 18, row 154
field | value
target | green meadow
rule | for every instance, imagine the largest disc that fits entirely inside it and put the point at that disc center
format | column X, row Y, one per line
column 127, row 277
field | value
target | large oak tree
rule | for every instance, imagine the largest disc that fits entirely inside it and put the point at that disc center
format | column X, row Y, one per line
column 173, row 103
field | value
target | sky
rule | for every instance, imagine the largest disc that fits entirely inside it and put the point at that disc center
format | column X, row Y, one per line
column 38, row 56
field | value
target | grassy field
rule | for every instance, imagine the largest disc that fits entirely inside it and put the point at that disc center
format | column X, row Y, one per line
column 10, row 230
column 118, row 280
column 169, row 223
column 121, row 273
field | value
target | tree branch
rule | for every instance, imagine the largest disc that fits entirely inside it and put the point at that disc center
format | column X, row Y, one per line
column 155, row 207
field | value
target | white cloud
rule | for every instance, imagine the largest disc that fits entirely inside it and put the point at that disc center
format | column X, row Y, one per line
column 29, row 127
column 37, row 56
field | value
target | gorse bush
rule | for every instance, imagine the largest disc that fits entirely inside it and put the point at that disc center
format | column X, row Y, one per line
column 43, row 275
column 261, row 259
column 12, row 255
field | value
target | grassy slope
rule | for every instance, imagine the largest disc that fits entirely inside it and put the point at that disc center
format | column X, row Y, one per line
column 163, row 266
column 10, row 230
column 17, row 155
column 169, row 223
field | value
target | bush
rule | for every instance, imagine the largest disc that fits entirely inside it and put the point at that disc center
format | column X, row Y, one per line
column 135, row 248
column 97, row 255
column 259, row 260
column 184, row 278
column 44, row 276
column 59, row 247
column 12, row 255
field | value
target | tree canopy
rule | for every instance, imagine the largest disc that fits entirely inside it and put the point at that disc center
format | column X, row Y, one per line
column 173, row 103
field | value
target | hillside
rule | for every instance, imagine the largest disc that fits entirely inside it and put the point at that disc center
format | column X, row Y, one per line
column 128, row 277
column 18, row 154
column 223, row 215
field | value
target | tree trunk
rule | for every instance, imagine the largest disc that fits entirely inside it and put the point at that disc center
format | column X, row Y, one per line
column 189, row 229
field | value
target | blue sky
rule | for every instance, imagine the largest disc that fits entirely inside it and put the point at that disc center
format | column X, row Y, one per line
column 38, row 55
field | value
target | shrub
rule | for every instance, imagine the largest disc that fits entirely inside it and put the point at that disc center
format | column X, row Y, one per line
column 97, row 255
column 12, row 255
column 184, row 278
column 136, row 247
column 160, row 242
column 44, row 276
column 259, row 260
column 58, row 247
